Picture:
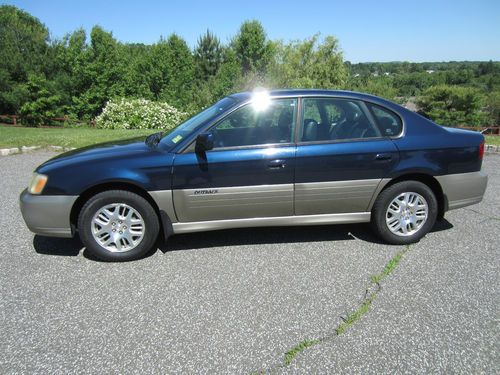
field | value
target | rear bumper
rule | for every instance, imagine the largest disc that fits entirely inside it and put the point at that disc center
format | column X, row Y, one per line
column 463, row 189
column 47, row 215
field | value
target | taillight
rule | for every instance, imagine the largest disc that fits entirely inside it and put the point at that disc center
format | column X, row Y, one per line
column 481, row 150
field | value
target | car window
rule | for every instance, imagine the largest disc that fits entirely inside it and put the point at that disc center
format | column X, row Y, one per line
column 311, row 111
column 251, row 125
column 189, row 126
column 339, row 119
column 389, row 123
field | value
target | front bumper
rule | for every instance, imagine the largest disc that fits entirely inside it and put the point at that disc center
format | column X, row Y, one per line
column 47, row 215
column 463, row 189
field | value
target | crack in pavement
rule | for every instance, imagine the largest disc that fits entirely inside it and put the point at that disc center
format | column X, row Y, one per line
column 350, row 319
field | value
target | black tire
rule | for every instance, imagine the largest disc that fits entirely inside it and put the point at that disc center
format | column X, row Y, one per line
column 381, row 206
column 138, row 203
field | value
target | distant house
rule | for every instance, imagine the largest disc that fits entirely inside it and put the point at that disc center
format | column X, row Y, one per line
column 430, row 71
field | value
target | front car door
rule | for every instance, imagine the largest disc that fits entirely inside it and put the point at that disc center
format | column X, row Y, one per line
column 248, row 174
column 342, row 157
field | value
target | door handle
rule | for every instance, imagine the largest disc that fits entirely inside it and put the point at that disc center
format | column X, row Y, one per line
column 276, row 164
column 383, row 157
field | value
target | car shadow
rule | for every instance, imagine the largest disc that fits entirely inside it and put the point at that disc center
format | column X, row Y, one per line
column 66, row 247
column 232, row 237
column 57, row 246
column 277, row 235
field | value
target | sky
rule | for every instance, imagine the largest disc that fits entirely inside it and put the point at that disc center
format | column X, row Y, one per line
column 378, row 30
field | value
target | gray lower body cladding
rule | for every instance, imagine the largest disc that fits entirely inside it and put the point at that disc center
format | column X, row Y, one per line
column 335, row 197
column 233, row 202
column 202, row 226
column 463, row 189
column 47, row 215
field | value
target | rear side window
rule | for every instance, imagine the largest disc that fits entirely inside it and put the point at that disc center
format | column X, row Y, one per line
column 333, row 119
column 389, row 123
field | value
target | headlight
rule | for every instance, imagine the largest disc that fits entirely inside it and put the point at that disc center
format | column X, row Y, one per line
column 37, row 183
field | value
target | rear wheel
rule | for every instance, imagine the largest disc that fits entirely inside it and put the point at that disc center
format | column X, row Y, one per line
column 118, row 225
column 404, row 212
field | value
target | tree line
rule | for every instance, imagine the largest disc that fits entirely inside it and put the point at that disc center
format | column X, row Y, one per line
column 75, row 76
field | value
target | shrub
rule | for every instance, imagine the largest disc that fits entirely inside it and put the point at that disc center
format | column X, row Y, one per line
column 139, row 114
column 41, row 104
column 454, row 105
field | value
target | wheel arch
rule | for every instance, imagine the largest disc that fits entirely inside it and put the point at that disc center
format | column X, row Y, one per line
column 111, row 185
column 426, row 179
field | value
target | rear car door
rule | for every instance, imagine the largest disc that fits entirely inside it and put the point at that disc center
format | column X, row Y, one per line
column 249, row 172
column 342, row 156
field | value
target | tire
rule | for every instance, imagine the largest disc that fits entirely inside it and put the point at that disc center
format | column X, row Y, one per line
column 118, row 226
column 391, row 210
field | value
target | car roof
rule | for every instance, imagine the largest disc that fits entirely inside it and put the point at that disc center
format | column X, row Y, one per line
column 242, row 96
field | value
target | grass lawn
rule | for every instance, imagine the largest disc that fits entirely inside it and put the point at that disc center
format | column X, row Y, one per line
column 493, row 140
column 66, row 137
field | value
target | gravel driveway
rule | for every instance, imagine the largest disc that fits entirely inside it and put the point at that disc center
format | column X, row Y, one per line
column 236, row 301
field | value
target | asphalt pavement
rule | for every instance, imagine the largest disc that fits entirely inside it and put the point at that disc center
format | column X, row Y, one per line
column 236, row 301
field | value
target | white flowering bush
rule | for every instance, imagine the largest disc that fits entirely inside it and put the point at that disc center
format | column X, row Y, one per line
column 139, row 114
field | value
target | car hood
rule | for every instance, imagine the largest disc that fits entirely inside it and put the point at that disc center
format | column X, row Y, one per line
column 107, row 150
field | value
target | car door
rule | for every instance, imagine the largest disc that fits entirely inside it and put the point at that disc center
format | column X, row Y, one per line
column 341, row 157
column 249, row 172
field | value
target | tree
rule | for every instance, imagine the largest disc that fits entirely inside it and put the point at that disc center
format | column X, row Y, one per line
column 179, row 72
column 379, row 86
column 309, row 64
column 494, row 107
column 253, row 50
column 71, row 57
column 453, row 105
column 169, row 70
column 23, row 49
column 208, row 56
column 42, row 102
column 102, row 75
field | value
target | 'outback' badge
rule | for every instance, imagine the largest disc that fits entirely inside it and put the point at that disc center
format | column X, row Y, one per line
column 206, row 191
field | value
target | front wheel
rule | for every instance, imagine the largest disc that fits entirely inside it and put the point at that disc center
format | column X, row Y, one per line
column 118, row 225
column 404, row 212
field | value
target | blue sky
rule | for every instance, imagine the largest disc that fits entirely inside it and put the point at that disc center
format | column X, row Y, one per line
column 368, row 30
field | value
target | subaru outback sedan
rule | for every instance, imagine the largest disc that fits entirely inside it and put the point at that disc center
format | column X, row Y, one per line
column 279, row 158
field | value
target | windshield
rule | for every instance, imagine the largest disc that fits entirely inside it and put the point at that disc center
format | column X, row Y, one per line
column 186, row 128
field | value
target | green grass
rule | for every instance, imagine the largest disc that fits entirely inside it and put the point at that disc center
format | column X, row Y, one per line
column 389, row 267
column 493, row 140
column 354, row 316
column 292, row 353
column 65, row 137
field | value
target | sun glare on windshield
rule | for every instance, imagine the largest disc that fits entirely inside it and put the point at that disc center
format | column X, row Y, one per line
column 260, row 100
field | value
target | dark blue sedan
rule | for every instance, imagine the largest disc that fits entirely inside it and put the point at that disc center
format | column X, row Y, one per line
column 292, row 157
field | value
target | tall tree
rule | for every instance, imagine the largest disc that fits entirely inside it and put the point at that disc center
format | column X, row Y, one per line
column 309, row 64
column 23, row 49
column 180, row 70
column 208, row 55
column 71, row 58
column 103, row 74
column 253, row 50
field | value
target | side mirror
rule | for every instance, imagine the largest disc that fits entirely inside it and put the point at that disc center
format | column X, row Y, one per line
column 204, row 142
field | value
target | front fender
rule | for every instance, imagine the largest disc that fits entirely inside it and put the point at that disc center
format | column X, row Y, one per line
column 149, row 172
